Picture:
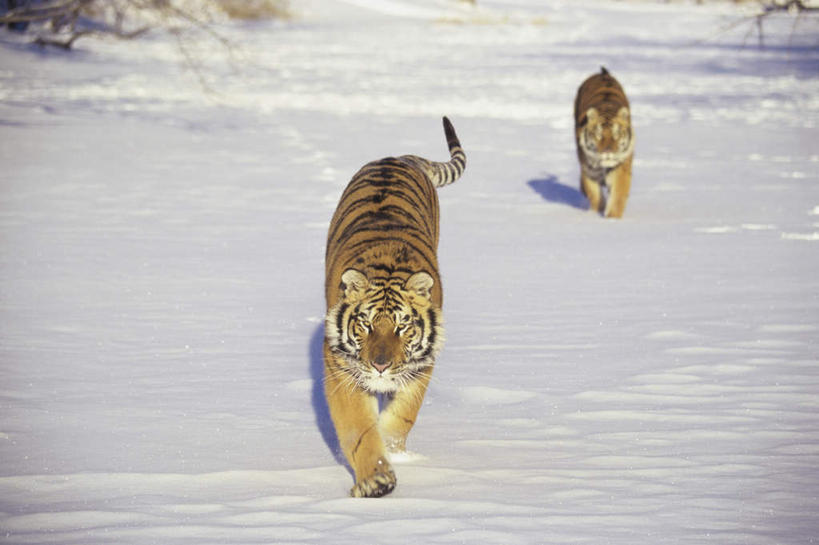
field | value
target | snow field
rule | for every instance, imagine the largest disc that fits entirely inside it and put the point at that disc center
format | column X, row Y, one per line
column 650, row 380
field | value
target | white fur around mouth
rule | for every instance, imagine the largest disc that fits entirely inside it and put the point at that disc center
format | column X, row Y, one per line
column 380, row 384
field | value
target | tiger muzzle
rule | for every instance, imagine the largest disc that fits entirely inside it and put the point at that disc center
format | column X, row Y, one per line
column 609, row 159
column 383, row 348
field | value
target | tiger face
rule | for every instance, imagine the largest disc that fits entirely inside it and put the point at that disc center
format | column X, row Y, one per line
column 387, row 331
column 606, row 142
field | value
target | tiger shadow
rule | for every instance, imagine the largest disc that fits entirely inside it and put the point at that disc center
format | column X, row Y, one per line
column 320, row 409
column 552, row 190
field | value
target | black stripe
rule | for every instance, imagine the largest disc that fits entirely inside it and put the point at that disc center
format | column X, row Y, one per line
column 423, row 324
column 452, row 172
column 389, row 269
column 375, row 240
column 394, row 187
column 332, row 235
column 384, row 169
column 376, row 219
column 431, row 343
column 348, row 207
column 379, row 171
column 342, row 214
column 411, row 232
column 360, row 438
column 340, row 318
column 420, row 220
column 381, row 267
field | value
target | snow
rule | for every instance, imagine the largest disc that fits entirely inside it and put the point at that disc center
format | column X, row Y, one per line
column 648, row 380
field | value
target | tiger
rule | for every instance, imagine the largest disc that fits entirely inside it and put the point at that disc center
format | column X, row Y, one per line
column 605, row 143
column 384, row 328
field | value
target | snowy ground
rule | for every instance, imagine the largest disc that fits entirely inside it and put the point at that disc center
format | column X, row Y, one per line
column 644, row 381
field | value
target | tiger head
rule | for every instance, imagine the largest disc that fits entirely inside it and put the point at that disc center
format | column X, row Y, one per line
column 387, row 331
column 606, row 142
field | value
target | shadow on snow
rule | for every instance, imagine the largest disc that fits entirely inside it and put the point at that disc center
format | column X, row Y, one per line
column 319, row 402
column 552, row 190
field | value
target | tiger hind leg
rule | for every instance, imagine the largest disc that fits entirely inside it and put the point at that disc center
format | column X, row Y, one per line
column 619, row 180
column 355, row 416
column 593, row 192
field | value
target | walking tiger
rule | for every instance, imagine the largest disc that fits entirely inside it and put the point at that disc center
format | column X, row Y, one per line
column 383, row 327
column 605, row 143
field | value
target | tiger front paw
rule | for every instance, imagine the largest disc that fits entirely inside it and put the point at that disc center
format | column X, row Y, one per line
column 380, row 483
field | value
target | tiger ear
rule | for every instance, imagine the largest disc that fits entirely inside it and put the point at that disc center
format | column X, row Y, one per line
column 353, row 283
column 623, row 114
column 420, row 284
column 591, row 116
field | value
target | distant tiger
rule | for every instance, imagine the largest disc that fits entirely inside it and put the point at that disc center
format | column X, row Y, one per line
column 383, row 326
column 605, row 143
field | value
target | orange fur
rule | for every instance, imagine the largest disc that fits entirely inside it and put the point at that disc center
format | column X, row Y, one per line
column 605, row 143
column 383, row 325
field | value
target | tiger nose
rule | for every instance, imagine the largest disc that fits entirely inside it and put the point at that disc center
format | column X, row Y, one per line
column 380, row 363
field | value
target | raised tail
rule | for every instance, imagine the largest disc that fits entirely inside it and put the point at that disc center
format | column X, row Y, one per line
column 441, row 174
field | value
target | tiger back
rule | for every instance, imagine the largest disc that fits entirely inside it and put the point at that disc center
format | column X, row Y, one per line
column 383, row 327
column 605, row 143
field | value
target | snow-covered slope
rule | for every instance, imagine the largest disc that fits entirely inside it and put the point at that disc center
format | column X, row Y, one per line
column 649, row 380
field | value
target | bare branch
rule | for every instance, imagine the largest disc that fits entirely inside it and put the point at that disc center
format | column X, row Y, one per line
column 41, row 12
column 797, row 8
column 60, row 23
